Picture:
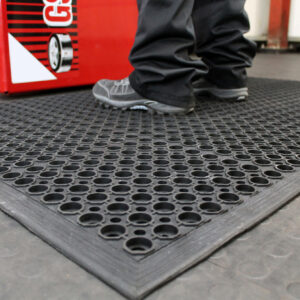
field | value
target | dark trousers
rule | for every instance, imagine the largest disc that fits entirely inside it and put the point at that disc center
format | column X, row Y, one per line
column 170, row 30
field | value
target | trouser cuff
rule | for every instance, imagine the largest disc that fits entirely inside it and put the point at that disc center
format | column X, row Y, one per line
column 158, row 93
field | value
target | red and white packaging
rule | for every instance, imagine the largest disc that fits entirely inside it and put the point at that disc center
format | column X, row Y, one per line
column 48, row 44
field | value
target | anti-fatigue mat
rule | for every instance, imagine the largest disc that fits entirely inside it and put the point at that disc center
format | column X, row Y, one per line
column 136, row 198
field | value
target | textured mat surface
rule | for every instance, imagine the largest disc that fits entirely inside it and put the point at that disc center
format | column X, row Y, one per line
column 136, row 199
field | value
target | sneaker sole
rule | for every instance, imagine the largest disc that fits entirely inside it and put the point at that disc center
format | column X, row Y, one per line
column 141, row 104
column 240, row 94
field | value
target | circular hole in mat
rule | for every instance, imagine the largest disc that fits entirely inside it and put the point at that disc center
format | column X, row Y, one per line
column 62, row 181
column 185, row 198
column 71, row 168
column 53, row 198
column 210, row 208
column 142, row 181
column 112, row 231
column 70, row 208
column 79, row 189
column 142, row 198
column 294, row 162
column 204, row 189
column 223, row 152
column 229, row 162
column 4, row 169
column 221, row 181
column 23, row 182
column 139, row 232
column 229, row 198
column 126, row 162
column 123, row 174
column 115, row 220
column 90, row 219
column 162, row 174
column 164, row 207
column 273, row 174
column 215, row 168
column 94, row 208
column 210, row 157
column 57, row 163
column 285, row 168
column 164, row 220
column 200, row 174
column 166, row 231
column 23, row 164
column 187, row 208
column 245, row 189
column 189, row 218
column 120, row 199
column 260, row 181
column 274, row 157
column 192, row 151
column 177, row 157
column 195, row 162
column 143, row 168
column 76, row 199
column 138, row 245
column 140, row 219
column 35, row 169
column 102, row 181
column 243, row 157
column 92, row 163
column 207, row 199
column 144, row 157
column 236, row 174
column 161, row 162
column 163, row 189
column 107, row 168
column 180, row 168
column 96, row 198
column 141, row 208
column 44, row 158
column 121, row 189
column 38, row 189
column 182, row 181
column 12, row 158
column 48, row 174
column 86, row 174
column 118, row 208
column 250, row 168
column 11, row 175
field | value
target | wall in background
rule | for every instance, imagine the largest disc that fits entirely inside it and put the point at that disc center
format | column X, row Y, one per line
column 294, row 26
column 259, row 15
column 258, row 11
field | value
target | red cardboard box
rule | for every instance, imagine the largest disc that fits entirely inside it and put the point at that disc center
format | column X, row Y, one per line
column 48, row 44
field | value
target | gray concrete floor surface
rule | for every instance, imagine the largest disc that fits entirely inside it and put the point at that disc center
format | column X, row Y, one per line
column 261, row 264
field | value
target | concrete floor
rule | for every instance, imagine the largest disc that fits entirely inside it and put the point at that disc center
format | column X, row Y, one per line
column 263, row 263
column 277, row 66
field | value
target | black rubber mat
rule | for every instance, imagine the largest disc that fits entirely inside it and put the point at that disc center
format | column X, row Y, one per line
column 137, row 198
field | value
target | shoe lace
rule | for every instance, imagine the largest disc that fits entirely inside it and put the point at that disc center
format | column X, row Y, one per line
column 124, row 81
column 122, row 86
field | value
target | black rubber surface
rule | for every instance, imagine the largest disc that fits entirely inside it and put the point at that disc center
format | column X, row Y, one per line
column 137, row 198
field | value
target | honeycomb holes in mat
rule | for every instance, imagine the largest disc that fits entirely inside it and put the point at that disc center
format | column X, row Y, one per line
column 145, row 180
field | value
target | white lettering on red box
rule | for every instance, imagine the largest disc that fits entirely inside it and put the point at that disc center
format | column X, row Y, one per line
column 58, row 13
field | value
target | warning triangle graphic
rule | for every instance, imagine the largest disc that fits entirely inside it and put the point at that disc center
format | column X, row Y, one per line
column 24, row 66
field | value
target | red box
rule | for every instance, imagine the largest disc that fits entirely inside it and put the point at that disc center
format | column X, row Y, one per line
column 48, row 44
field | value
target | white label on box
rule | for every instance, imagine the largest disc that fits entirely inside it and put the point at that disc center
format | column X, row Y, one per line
column 24, row 66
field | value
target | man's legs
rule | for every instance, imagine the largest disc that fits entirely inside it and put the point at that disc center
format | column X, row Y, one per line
column 160, row 55
column 220, row 27
column 163, row 75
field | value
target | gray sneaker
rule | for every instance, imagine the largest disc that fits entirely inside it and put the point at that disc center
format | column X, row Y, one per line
column 203, row 87
column 120, row 94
